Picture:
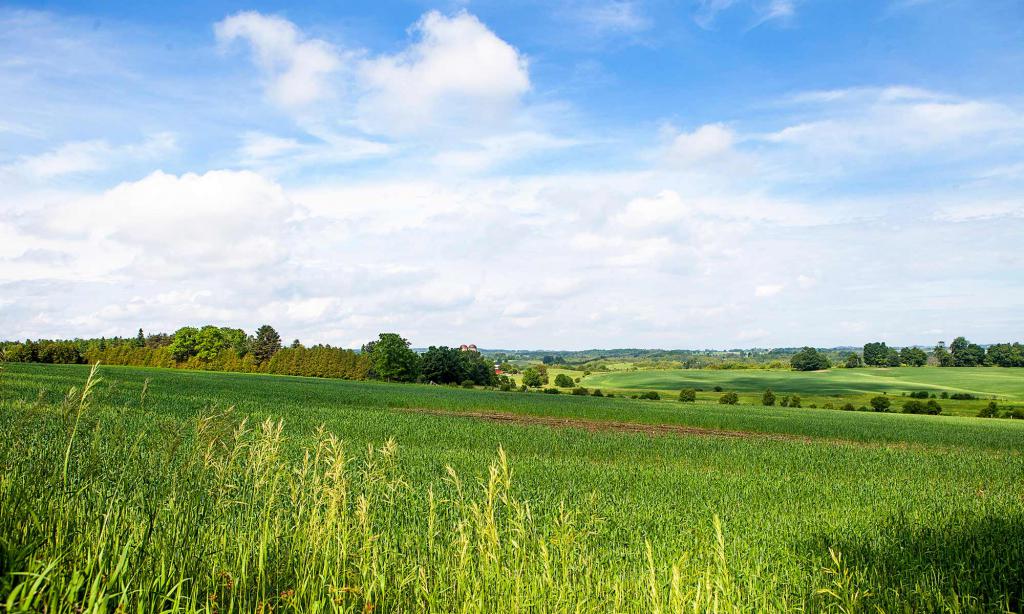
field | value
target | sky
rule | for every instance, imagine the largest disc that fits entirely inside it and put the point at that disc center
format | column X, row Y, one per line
column 556, row 175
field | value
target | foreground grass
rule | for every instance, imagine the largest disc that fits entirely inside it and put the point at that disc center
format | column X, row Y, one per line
column 169, row 502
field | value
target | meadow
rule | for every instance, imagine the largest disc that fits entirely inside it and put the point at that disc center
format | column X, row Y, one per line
column 834, row 385
column 171, row 490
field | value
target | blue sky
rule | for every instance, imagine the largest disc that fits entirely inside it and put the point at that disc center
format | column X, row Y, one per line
column 718, row 173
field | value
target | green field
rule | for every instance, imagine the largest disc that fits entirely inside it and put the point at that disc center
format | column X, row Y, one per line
column 856, row 385
column 161, row 501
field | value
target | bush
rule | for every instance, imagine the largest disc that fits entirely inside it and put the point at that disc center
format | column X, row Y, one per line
column 848, row 407
column 829, row 405
column 729, row 398
column 881, row 403
column 551, row 391
column 914, row 407
column 597, row 393
column 784, row 402
column 989, row 411
column 768, row 398
column 468, row 383
column 688, row 395
column 580, row 391
column 1016, row 414
column 717, row 388
column 944, row 395
column 962, row 396
column 809, row 359
column 920, row 394
column 794, row 401
column 649, row 396
column 563, row 381
column 932, row 407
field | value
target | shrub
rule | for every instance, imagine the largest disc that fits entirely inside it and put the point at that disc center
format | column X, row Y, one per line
column 551, row 391
column 920, row 394
column 1016, row 414
column 848, row 407
column 989, row 411
column 829, row 405
column 533, row 379
column 784, row 402
column 914, row 407
column 768, row 398
column 881, row 403
column 688, row 395
column 717, row 389
column 794, row 401
column 563, row 381
column 580, row 391
column 468, row 383
column 809, row 359
column 962, row 396
column 729, row 398
column 597, row 393
column 650, row 395
column 944, row 395
column 932, row 407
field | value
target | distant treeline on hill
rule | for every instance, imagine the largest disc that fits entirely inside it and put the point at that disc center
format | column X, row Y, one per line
column 213, row 348
column 960, row 353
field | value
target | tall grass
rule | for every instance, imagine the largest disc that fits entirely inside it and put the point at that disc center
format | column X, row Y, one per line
column 213, row 517
column 115, row 508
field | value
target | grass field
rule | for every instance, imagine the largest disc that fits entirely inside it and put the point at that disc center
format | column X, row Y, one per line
column 855, row 385
column 136, row 501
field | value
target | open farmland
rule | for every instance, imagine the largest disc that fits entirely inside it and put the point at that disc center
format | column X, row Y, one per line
column 159, row 500
column 836, row 385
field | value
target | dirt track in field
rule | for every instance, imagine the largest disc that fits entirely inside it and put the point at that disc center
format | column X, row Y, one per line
column 609, row 425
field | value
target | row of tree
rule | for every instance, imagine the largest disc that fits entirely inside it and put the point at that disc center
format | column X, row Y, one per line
column 213, row 348
column 960, row 353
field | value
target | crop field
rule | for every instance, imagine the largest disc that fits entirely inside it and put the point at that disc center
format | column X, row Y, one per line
column 856, row 385
column 160, row 490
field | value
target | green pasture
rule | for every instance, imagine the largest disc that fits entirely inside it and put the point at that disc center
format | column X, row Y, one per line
column 856, row 385
column 153, row 497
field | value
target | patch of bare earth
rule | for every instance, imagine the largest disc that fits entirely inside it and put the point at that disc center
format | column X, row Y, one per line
column 609, row 425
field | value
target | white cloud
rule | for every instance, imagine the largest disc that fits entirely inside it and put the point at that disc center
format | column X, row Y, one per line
column 611, row 17
column 88, row 157
column 664, row 208
column 762, row 10
column 296, row 68
column 456, row 67
column 869, row 121
column 704, row 143
column 766, row 290
column 171, row 226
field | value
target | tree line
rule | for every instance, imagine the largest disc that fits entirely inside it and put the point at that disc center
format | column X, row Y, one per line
column 214, row 348
column 960, row 353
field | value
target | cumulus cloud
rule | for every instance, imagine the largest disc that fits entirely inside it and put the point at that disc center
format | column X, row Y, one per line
column 456, row 66
column 296, row 69
column 705, row 143
column 176, row 226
